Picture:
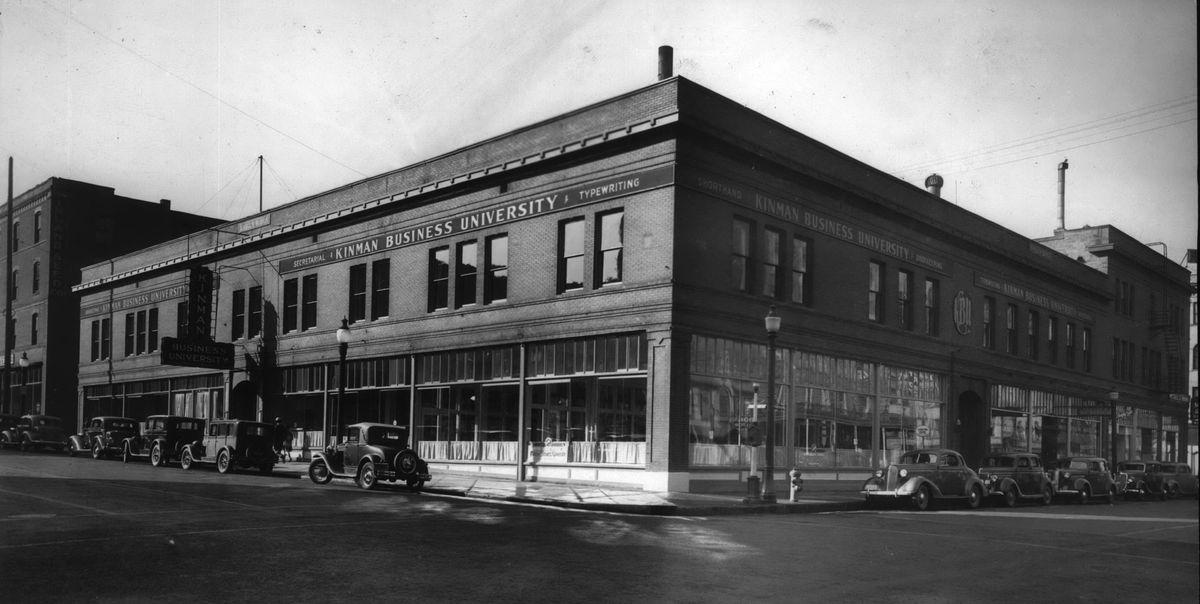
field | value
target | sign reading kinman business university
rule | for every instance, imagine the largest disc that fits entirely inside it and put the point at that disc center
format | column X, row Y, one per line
column 213, row 355
column 553, row 201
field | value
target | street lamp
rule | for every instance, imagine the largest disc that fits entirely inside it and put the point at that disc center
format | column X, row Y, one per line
column 772, row 323
column 343, row 340
column 1113, row 397
column 24, row 363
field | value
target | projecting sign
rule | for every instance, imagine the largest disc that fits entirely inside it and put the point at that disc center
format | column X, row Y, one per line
column 213, row 355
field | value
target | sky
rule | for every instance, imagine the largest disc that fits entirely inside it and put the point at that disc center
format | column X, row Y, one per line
column 178, row 99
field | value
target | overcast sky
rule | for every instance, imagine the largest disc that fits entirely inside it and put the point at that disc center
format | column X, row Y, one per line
column 177, row 99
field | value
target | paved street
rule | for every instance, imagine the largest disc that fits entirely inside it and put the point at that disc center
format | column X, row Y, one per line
column 75, row 528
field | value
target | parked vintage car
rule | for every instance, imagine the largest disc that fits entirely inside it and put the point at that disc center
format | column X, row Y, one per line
column 369, row 453
column 1082, row 478
column 7, row 424
column 103, row 435
column 1145, row 479
column 922, row 476
column 162, row 438
column 1180, row 479
column 34, row 430
column 232, row 443
column 1015, row 476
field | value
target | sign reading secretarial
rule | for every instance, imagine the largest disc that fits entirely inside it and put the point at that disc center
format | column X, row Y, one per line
column 553, row 201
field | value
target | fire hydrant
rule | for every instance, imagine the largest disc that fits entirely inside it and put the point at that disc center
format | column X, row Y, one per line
column 797, row 483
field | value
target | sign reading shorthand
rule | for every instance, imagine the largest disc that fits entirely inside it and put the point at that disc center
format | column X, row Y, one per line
column 553, row 201
column 213, row 355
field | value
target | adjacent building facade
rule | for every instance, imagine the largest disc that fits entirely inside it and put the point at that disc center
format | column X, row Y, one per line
column 583, row 299
column 57, row 228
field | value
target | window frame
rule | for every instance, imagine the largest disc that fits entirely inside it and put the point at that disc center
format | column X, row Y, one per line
column 495, row 280
column 606, row 249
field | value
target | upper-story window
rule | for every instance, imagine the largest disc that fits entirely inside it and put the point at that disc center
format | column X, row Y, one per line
column 875, row 292
column 308, row 302
column 255, row 311
column 1010, row 329
column 1052, row 340
column 33, row 329
column 466, row 270
column 291, row 304
column 439, row 278
column 237, row 322
column 495, row 280
column 989, row 322
column 1069, row 344
column 16, row 235
column 358, row 293
column 1085, row 348
column 37, row 226
column 381, row 288
column 570, row 254
column 181, row 320
column 932, row 306
column 610, row 254
column 801, row 283
column 101, row 339
column 37, row 276
column 904, row 312
column 772, row 255
column 1035, row 341
column 1123, row 301
column 740, row 262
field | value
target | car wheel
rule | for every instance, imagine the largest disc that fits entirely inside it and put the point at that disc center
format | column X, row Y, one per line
column 318, row 472
column 97, row 450
column 414, row 483
column 1085, row 493
column 71, row 450
column 1172, row 491
column 26, row 444
column 975, row 497
column 1111, row 498
column 1047, row 495
column 366, row 475
column 1010, row 497
column 186, row 460
column 1141, row 494
column 406, row 463
column 224, row 463
column 156, row 455
column 922, row 498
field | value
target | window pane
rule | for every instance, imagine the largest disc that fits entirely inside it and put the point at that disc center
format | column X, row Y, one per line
column 439, row 278
column 358, row 293
column 496, row 281
column 381, row 283
column 464, row 274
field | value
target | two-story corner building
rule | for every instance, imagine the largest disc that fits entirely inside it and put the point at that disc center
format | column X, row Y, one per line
column 58, row 227
column 584, row 299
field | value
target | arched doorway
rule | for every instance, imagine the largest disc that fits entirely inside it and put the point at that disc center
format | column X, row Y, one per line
column 973, row 427
column 243, row 403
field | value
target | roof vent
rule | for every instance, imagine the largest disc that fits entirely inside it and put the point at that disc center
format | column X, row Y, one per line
column 665, row 60
column 934, row 184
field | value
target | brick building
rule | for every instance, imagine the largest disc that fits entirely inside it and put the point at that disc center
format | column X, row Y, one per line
column 583, row 299
column 58, row 227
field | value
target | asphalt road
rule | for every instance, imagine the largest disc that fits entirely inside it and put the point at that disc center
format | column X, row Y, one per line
column 75, row 529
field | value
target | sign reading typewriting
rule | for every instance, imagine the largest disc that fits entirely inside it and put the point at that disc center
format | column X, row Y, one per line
column 554, row 201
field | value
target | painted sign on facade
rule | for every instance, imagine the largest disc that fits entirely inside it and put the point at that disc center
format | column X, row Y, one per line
column 553, row 201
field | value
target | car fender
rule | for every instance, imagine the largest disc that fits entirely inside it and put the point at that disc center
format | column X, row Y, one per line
column 79, row 442
column 975, row 481
column 133, row 443
column 911, row 486
column 1002, row 485
column 334, row 468
column 196, row 449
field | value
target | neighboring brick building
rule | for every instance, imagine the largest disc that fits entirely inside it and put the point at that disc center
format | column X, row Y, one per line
column 583, row 299
column 60, row 226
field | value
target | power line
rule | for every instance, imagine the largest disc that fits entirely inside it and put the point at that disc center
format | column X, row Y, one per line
column 203, row 90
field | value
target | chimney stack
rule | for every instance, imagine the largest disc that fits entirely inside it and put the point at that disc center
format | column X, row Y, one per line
column 934, row 184
column 665, row 62
column 165, row 204
column 1062, row 195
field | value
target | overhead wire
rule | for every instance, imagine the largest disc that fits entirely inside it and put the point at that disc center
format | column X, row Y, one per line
column 203, row 90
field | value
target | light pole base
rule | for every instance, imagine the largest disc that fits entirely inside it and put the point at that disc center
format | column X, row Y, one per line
column 752, row 491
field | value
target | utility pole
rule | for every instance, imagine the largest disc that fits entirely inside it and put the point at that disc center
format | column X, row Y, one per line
column 260, row 162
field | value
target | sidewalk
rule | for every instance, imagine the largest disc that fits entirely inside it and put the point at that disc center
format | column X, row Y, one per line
column 817, row 496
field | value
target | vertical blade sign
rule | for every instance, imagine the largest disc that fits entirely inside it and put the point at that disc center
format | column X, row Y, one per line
column 200, row 286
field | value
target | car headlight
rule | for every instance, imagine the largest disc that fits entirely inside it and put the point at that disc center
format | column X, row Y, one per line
column 903, row 473
column 993, row 477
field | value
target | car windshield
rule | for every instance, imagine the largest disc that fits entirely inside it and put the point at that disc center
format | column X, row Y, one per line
column 919, row 457
column 1133, row 467
column 1078, row 464
column 48, row 421
column 121, row 425
column 386, row 436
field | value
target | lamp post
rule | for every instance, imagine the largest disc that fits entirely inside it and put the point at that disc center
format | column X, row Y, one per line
column 772, row 323
column 343, row 340
column 1113, row 397
column 24, row 363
